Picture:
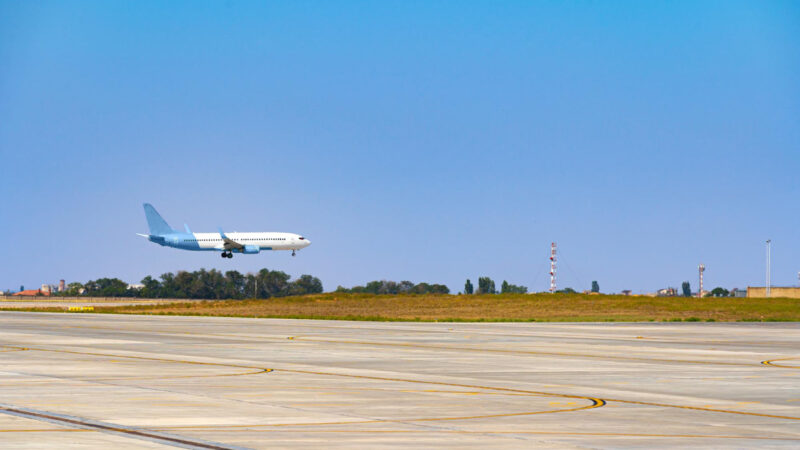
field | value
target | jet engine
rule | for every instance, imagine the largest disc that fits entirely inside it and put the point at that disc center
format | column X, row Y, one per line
column 250, row 249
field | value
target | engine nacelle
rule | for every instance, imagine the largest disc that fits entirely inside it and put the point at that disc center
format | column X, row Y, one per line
column 250, row 249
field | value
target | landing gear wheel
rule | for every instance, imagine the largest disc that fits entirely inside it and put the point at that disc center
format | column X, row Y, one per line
column 293, row 253
column 224, row 255
column 230, row 255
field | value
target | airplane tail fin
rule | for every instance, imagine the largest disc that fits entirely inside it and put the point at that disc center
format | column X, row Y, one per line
column 155, row 222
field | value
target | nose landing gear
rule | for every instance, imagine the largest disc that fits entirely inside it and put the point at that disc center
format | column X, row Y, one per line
column 294, row 253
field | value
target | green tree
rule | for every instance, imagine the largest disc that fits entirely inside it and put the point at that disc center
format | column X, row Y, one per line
column 508, row 288
column 73, row 289
column 568, row 290
column 686, row 288
column 719, row 292
column 405, row 287
column 373, row 287
column 234, row 284
column 107, row 287
column 595, row 286
column 427, row 288
column 468, row 287
column 273, row 283
column 486, row 286
column 305, row 285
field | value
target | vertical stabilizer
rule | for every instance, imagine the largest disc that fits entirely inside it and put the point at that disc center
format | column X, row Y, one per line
column 155, row 222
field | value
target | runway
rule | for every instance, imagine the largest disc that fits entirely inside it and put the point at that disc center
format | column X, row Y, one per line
column 95, row 380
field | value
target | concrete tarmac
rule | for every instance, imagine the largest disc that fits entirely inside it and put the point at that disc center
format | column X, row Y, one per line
column 123, row 381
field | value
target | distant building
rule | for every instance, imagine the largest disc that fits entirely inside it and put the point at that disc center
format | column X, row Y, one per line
column 667, row 292
column 62, row 286
column 775, row 291
column 741, row 293
column 33, row 292
column 136, row 286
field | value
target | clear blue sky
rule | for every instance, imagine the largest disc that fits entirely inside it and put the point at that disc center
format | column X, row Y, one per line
column 428, row 141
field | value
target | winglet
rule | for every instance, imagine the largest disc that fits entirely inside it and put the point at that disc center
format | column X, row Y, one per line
column 187, row 228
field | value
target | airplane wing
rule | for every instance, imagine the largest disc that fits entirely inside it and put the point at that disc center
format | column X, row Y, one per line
column 228, row 243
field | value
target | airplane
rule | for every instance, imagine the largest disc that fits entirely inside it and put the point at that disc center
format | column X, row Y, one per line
column 246, row 243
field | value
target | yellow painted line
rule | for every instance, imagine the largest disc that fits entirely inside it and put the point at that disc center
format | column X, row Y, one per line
column 580, row 355
column 176, row 377
column 703, row 408
column 771, row 362
column 519, row 352
column 401, row 420
column 147, row 358
column 226, row 428
column 234, row 428
column 252, row 372
column 14, row 349
column 596, row 402
column 68, row 430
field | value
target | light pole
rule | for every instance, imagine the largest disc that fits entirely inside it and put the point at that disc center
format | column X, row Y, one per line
column 769, row 251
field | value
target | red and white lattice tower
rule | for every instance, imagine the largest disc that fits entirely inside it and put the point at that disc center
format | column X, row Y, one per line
column 552, row 267
column 701, row 268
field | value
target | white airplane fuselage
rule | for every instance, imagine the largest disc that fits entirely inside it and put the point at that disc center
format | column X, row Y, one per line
column 227, row 243
column 215, row 242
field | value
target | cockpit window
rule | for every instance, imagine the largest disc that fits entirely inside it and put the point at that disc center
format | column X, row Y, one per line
column 301, row 238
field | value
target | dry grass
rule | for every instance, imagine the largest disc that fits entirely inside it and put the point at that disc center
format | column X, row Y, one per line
column 512, row 307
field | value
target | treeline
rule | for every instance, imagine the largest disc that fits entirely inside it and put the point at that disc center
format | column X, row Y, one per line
column 486, row 286
column 393, row 288
column 210, row 284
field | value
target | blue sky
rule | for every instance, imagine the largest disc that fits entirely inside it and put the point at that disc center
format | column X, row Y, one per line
column 428, row 141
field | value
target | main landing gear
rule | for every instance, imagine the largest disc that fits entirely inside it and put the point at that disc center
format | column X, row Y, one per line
column 227, row 255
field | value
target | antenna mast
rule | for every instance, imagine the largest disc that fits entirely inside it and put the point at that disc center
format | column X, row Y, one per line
column 553, row 268
column 769, row 257
column 701, row 268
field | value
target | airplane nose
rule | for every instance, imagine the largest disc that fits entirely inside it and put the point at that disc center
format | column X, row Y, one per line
column 307, row 243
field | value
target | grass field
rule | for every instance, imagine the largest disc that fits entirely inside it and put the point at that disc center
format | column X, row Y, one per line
column 511, row 307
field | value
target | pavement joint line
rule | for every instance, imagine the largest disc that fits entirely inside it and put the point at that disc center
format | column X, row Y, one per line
column 105, row 427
